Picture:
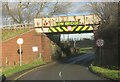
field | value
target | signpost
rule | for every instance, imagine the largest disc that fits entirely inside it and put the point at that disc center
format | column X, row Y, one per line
column 100, row 43
column 35, row 49
column 20, row 42
column 69, row 28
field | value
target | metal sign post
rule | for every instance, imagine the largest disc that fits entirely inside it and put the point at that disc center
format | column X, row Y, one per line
column 100, row 43
column 20, row 54
column 20, row 42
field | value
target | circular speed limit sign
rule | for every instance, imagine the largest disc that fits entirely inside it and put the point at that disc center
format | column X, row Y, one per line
column 100, row 42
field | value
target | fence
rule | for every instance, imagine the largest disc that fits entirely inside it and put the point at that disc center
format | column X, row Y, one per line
column 18, row 26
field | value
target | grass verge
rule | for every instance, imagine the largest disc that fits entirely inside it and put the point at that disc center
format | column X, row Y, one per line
column 6, row 34
column 85, row 50
column 11, row 70
column 111, row 74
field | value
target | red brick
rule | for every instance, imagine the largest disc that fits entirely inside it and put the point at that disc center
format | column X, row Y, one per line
column 10, row 47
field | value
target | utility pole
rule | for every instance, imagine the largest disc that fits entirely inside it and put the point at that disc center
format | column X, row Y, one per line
column 63, row 36
column 68, row 37
column 20, row 42
column 74, row 42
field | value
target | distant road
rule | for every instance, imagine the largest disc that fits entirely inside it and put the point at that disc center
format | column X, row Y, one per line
column 71, row 69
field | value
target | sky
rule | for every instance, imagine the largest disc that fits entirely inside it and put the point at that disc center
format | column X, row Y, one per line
column 0, row 14
column 65, row 0
column 76, row 36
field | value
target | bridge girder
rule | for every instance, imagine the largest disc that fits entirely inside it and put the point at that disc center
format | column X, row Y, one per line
column 67, row 29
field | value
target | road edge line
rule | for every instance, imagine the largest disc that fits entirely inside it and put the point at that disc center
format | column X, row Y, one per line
column 44, row 65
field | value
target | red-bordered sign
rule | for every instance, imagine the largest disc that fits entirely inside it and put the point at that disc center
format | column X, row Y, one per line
column 69, row 28
column 100, row 42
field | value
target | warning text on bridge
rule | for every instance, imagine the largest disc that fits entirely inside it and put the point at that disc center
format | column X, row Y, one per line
column 66, row 20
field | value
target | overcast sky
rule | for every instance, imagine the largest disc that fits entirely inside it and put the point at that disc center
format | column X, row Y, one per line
column 76, row 36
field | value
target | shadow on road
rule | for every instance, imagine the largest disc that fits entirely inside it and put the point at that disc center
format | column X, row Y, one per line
column 83, row 60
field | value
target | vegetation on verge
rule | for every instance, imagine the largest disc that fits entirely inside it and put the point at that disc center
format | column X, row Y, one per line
column 7, row 34
column 107, row 55
column 86, row 50
column 105, row 72
column 11, row 70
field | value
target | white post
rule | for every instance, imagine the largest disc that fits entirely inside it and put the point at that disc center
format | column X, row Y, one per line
column 20, row 42
column 20, row 54
column 74, row 43
column 40, row 57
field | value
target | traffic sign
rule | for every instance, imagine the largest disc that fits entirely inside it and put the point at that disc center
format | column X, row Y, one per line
column 100, row 42
column 20, row 41
column 69, row 28
column 18, row 51
column 35, row 49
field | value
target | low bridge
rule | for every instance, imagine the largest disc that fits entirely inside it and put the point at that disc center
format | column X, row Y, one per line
column 67, row 24
column 52, row 27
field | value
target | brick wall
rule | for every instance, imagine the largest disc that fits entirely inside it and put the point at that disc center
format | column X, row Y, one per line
column 31, row 39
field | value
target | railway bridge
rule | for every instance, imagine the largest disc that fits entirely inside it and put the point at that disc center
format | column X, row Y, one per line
column 41, row 33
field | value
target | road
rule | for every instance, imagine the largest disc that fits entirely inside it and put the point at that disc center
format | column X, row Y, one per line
column 71, row 69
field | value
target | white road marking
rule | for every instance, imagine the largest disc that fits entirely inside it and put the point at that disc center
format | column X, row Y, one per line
column 60, row 74
column 87, row 68
column 33, row 70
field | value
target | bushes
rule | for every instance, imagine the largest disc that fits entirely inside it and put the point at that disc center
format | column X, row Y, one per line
column 105, row 72
column 11, row 70
column 109, row 52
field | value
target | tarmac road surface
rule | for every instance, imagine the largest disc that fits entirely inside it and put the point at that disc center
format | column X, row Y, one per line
column 75, row 68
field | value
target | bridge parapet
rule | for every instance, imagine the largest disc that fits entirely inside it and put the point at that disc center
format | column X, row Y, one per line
column 67, row 24
column 18, row 26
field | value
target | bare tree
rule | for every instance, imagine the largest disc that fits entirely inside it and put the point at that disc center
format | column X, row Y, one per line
column 22, row 12
column 59, row 8
column 107, row 11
